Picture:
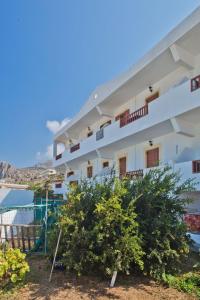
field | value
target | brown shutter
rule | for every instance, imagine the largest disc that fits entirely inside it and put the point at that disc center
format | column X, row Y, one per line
column 89, row 171
column 122, row 166
column 152, row 158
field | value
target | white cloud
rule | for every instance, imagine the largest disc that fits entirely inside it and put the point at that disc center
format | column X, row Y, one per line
column 48, row 154
column 55, row 126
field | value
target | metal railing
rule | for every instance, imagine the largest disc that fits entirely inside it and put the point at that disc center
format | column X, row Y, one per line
column 99, row 134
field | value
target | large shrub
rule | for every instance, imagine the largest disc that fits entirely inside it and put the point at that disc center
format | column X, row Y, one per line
column 13, row 266
column 117, row 225
column 160, row 208
column 98, row 233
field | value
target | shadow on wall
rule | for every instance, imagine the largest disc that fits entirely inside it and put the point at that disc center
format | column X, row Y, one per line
column 188, row 154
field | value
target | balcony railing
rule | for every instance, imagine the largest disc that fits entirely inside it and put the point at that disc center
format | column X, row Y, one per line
column 99, row 134
column 58, row 156
column 70, row 173
column 195, row 83
column 134, row 174
column 141, row 112
column 58, row 185
column 75, row 148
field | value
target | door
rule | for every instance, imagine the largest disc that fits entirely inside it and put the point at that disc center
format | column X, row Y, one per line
column 89, row 172
column 152, row 158
column 122, row 166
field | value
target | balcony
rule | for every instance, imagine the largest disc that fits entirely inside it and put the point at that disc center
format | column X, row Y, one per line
column 141, row 112
column 75, row 148
column 134, row 174
column 186, row 170
column 154, row 121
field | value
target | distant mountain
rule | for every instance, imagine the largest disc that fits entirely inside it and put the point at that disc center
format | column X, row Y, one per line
column 18, row 175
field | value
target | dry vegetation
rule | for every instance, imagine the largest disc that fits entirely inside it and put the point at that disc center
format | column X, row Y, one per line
column 87, row 288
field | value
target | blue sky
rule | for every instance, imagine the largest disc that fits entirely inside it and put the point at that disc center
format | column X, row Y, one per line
column 55, row 52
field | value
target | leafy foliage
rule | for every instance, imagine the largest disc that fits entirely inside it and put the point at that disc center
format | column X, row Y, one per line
column 118, row 225
column 13, row 266
column 98, row 233
column 160, row 209
column 189, row 282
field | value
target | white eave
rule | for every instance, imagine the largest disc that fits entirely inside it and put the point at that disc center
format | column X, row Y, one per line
column 144, row 68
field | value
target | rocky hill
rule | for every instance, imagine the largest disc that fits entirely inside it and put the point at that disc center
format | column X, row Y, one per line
column 18, row 175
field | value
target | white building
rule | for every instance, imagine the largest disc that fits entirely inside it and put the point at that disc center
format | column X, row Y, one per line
column 146, row 117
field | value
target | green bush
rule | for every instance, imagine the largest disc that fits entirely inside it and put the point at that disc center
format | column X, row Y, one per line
column 160, row 209
column 98, row 233
column 125, row 225
column 13, row 266
column 189, row 282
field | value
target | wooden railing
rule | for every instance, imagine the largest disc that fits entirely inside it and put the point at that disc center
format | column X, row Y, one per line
column 20, row 235
column 75, row 148
column 58, row 185
column 58, row 156
column 141, row 112
column 195, row 83
column 134, row 174
column 70, row 173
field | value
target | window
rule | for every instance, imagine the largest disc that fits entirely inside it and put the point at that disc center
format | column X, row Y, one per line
column 105, row 164
column 152, row 97
column 152, row 158
column 122, row 115
column 196, row 166
column 89, row 172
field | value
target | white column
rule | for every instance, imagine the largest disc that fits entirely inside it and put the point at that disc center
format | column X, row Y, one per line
column 55, row 148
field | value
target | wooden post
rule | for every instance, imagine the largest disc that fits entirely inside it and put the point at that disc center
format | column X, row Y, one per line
column 113, row 279
column 5, row 232
column 46, row 216
column 23, row 241
column 28, row 237
column 12, row 236
column 34, row 235
column 56, row 251
column 18, row 237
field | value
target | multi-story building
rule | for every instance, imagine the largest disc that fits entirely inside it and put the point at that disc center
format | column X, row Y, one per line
column 146, row 117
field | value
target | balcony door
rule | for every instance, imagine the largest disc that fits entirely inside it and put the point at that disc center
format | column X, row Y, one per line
column 152, row 158
column 122, row 166
column 89, row 172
